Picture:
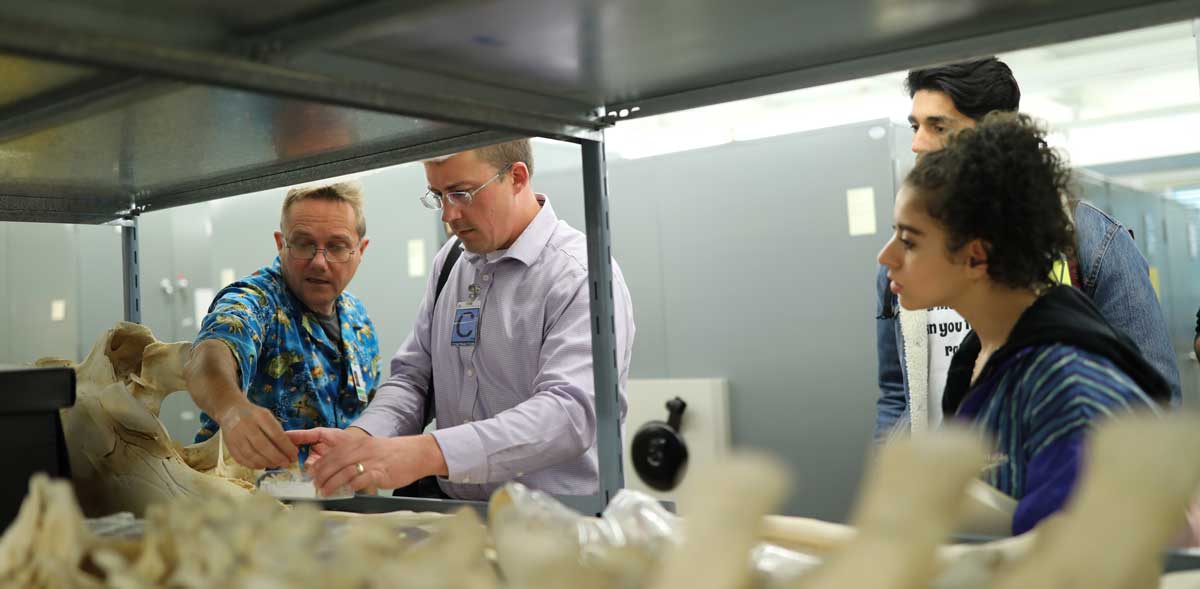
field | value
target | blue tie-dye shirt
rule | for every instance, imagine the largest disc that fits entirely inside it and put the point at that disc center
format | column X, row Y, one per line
column 286, row 361
column 1039, row 407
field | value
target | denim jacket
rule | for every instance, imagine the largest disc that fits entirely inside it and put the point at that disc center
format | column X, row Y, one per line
column 1114, row 275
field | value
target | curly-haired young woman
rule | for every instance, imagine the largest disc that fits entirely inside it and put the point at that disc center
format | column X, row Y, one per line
column 981, row 227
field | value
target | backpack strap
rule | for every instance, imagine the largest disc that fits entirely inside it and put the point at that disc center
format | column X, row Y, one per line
column 447, row 267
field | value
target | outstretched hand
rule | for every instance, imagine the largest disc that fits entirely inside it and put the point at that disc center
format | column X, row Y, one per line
column 255, row 438
column 339, row 458
column 321, row 440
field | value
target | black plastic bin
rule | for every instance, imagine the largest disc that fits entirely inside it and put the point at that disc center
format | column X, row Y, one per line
column 31, row 433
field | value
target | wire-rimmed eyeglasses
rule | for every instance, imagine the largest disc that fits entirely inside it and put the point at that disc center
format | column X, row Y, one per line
column 335, row 253
column 434, row 200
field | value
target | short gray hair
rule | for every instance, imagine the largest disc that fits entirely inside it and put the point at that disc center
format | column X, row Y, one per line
column 347, row 192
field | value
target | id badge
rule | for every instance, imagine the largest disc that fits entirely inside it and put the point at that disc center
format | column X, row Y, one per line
column 360, row 385
column 465, row 330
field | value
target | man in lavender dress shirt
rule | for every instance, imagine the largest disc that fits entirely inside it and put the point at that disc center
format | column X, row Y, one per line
column 514, row 389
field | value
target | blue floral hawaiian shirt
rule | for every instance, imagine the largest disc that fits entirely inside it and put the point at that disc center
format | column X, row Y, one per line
column 286, row 361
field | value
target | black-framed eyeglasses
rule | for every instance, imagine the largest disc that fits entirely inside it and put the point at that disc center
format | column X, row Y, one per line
column 434, row 200
column 307, row 251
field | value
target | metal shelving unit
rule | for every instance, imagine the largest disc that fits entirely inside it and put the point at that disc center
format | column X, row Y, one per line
column 112, row 108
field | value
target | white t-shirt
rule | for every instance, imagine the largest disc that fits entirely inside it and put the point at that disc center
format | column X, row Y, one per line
column 946, row 332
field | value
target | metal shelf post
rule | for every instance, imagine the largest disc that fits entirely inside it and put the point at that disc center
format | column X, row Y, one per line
column 131, row 270
column 604, row 350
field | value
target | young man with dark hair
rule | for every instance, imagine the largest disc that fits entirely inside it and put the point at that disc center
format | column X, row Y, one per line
column 952, row 97
column 915, row 347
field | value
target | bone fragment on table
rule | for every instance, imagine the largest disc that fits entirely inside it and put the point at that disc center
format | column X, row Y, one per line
column 161, row 374
column 811, row 536
column 986, row 511
column 725, row 504
column 536, row 541
column 975, row 566
column 542, row 544
column 1138, row 477
column 913, row 496
column 1180, row 580
column 46, row 545
column 453, row 557
column 121, row 457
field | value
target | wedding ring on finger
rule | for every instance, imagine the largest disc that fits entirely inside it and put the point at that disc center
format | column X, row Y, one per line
column 358, row 466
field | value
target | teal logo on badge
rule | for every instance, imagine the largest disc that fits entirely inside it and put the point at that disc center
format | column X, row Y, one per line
column 466, row 327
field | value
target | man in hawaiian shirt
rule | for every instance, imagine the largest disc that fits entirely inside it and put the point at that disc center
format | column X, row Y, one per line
column 286, row 347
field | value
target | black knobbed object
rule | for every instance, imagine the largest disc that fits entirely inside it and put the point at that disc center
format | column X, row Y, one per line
column 660, row 455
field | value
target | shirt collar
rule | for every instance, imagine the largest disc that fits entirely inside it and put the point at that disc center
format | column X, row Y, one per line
column 529, row 245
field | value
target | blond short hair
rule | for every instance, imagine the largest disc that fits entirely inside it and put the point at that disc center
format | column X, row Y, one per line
column 347, row 192
column 500, row 155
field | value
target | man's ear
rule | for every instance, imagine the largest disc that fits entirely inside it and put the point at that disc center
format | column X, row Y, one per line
column 279, row 241
column 520, row 176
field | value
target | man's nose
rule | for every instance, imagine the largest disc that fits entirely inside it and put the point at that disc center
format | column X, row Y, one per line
column 450, row 212
column 320, row 260
column 921, row 143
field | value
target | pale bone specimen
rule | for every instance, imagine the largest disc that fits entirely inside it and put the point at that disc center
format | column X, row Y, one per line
column 913, row 495
column 959, row 565
column 987, row 511
column 970, row 566
column 541, row 544
column 122, row 458
column 541, row 553
column 226, row 542
column 46, row 546
column 453, row 557
column 1181, row 580
column 985, row 508
column 805, row 534
column 1139, row 475
column 725, row 505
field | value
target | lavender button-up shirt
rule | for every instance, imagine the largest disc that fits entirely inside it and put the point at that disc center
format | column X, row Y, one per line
column 520, row 404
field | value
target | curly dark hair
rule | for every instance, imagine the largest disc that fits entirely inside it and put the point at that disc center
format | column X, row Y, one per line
column 1003, row 184
column 976, row 87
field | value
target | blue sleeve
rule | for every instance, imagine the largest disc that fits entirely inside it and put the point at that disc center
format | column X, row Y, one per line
column 1126, row 298
column 1049, row 479
column 893, row 401
column 1070, row 398
column 239, row 317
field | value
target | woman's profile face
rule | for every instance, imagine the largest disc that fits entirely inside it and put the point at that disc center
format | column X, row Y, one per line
column 920, row 269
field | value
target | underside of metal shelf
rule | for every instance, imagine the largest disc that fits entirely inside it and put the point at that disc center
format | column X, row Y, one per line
column 139, row 105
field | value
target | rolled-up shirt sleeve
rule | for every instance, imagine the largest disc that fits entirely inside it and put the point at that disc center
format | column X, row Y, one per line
column 557, row 423
column 239, row 317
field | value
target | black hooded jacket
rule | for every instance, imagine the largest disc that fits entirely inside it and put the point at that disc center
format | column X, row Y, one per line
column 1062, row 315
